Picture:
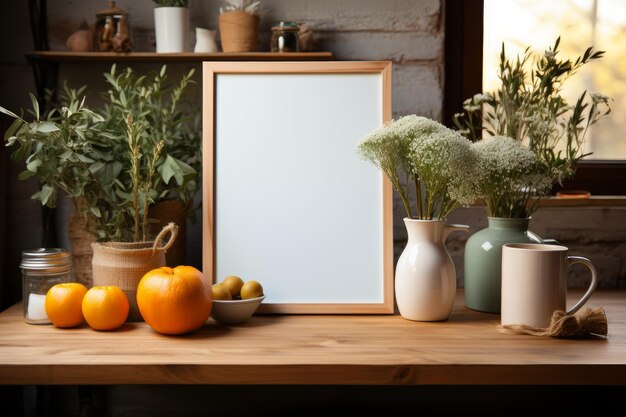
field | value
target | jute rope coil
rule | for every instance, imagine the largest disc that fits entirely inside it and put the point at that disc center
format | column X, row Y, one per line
column 591, row 321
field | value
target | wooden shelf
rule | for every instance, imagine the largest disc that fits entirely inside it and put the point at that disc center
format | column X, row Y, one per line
column 64, row 56
column 317, row 349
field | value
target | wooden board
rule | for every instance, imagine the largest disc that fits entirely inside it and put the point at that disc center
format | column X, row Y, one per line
column 467, row 349
column 66, row 56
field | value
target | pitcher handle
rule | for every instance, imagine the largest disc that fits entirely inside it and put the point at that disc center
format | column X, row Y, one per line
column 571, row 260
column 449, row 228
column 550, row 241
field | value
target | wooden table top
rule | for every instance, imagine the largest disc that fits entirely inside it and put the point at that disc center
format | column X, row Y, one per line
column 291, row 349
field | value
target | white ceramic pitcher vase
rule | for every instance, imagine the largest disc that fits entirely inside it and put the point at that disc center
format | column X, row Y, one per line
column 425, row 279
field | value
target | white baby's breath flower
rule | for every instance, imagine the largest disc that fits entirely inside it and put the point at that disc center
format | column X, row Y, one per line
column 507, row 174
column 416, row 149
column 482, row 98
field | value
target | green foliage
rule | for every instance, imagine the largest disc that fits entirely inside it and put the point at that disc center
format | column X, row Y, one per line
column 530, row 108
column 140, row 149
column 249, row 6
column 158, row 107
column 171, row 3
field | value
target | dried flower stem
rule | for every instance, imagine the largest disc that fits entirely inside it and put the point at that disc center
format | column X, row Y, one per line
column 133, row 131
column 158, row 149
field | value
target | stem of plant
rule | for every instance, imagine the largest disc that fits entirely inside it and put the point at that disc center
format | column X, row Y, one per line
column 418, row 195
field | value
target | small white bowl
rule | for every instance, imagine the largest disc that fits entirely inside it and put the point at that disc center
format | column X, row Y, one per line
column 235, row 311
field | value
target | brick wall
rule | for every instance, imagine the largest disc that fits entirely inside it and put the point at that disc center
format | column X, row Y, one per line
column 408, row 32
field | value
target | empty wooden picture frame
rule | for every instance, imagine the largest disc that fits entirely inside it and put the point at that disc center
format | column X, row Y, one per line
column 287, row 201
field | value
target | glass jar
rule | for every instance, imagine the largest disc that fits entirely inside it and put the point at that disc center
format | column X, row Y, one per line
column 42, row 269
column 285, row 37
column 112, row 32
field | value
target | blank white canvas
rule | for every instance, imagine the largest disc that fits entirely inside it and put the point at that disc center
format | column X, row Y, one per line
column 296, row 208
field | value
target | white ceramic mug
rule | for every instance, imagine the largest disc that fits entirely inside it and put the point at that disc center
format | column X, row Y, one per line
column 534, row 282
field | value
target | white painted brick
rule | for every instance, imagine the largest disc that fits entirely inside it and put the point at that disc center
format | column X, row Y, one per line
column 593, row 232
column 406, row 46
column 417, row 89
column 583, row 224
column 358, row 15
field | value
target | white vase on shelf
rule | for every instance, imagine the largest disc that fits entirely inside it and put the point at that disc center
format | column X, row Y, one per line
column 171, row 26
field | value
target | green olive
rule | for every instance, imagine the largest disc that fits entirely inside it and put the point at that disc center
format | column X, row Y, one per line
column 251, row 289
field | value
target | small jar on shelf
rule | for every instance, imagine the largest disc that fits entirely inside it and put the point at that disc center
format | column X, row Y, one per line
column 285, row 37
column 113, row 32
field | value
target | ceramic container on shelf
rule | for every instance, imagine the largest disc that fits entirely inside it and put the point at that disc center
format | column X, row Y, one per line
column 112, row 30
column 171, row 26
column 483, row 260
column 425, row 280
column 205, row 40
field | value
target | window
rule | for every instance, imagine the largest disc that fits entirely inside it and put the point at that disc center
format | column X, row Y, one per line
column 475, row 30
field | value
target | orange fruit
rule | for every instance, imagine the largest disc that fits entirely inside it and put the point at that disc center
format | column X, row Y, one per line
column 105, row 307
column 64, row 304
column 174, row 300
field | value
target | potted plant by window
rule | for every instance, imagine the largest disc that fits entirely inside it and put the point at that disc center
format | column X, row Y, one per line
column 115, row 164
column 538, row 138
column 239, row 25
column 171, row 26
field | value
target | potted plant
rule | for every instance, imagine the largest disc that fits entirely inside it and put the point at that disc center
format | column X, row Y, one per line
column 166, row 116
column 538, row 139
column 239, row 25
column 438, row 163
column 171, row 26
column 90, row 156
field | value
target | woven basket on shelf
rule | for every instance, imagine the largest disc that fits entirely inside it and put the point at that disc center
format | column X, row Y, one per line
column 239, row 31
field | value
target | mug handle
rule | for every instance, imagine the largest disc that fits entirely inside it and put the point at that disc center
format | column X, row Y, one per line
column 571, row 260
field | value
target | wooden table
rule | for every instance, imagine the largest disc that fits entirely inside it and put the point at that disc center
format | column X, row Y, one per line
column 352, row 350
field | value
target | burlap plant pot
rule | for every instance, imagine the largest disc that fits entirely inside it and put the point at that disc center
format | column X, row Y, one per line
column 124, row 264
column 239, row 31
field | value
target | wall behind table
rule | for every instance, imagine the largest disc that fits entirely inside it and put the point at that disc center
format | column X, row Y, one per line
column 408, row 32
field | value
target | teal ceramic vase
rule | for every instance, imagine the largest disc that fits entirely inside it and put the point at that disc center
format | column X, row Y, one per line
column 483, row 261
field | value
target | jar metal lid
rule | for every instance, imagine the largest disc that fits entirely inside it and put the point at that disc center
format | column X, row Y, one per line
column 285, row 29
column 47, row 259
column 286, row 26
column 112, row 10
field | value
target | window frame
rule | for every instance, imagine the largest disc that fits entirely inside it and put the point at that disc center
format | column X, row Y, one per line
column 463, row 78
